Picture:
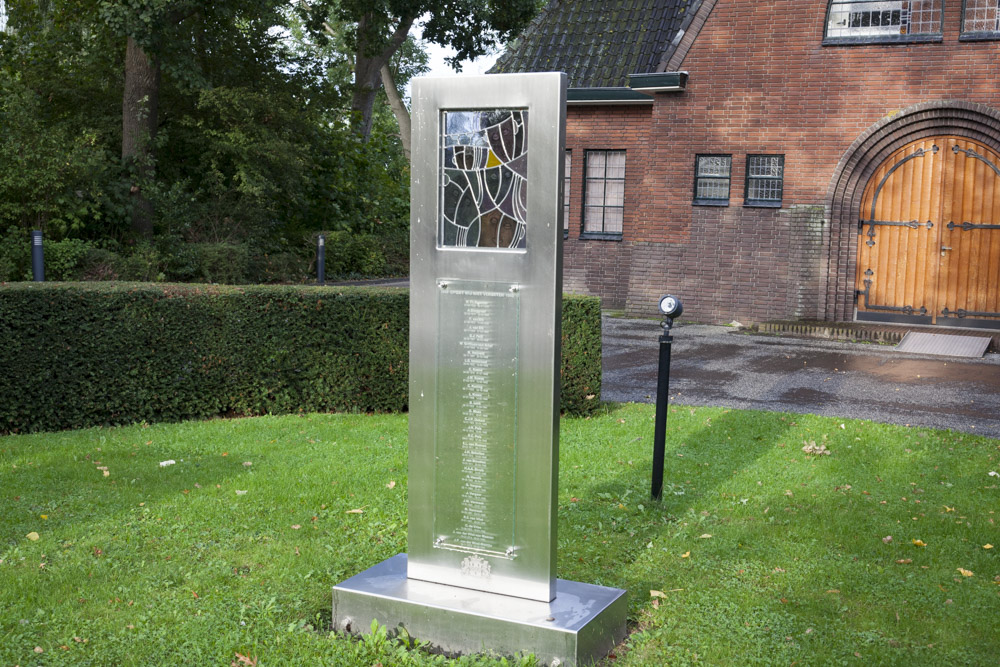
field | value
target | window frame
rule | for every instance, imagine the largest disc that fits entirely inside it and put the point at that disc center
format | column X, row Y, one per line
column 602, row 235
column 888, row 37
column 711, row 201
column 747, row 178
column 567, row 183
column 978, row 35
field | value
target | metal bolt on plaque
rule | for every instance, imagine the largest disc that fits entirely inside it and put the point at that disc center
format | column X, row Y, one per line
column 485, row 314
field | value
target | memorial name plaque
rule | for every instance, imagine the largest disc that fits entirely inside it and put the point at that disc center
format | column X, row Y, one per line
column 475, row 442
column 485, row 315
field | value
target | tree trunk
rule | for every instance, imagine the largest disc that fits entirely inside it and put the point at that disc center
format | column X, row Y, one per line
column 366, row 81
column 398, row 108
column 367, row 67
column 140, row 103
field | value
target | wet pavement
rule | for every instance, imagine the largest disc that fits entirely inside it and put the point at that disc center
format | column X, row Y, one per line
column 722, row 366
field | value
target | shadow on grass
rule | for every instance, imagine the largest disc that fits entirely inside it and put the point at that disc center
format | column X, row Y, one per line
column 612, row 519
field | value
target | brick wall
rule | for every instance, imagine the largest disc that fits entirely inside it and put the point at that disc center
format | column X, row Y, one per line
column 601, row 267
column 761, row 82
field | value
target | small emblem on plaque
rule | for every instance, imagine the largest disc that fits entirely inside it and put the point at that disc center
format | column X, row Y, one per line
column 474, row 566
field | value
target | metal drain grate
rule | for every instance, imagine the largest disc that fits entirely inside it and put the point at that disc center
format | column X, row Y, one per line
column 943, row 344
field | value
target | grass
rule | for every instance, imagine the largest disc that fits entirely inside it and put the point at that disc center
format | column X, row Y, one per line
column 757, row 554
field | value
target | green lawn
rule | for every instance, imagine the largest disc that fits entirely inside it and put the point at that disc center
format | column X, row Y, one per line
column 758, row 554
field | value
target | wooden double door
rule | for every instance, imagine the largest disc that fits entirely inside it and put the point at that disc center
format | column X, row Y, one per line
column 929, row 236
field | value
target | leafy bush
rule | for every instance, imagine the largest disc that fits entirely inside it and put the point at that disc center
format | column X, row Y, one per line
column 15, row 255
column 222, row 263
column 349, row 254
column 84, row 354
column 580, row 372
column 66, row 259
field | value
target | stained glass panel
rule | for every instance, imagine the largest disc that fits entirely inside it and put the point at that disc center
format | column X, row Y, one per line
column 484, row 187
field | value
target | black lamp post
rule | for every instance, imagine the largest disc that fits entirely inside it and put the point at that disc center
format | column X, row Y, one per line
column 671, row 308
column 37, row 258
column 321, row 260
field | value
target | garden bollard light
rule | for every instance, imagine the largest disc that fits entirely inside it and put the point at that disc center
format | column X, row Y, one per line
column 671, row 308
column 37, row 258
column 321, row 260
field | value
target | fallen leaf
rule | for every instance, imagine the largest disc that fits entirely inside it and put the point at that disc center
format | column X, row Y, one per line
column 657, row 594
column 919, row 543
column 685, row 554
column 247, row 464
column 240, row 493
column 704, row 536
column 357, row 511
column 78, row 640
column 33, row 536
column 948, row 509
column 964, row 572
column 816, row 450
column 656, row 604
column 244, row 660
column 904, row 561
column 39, row 649
column 45, row 517
column 833, row 590
column 391, row 485
column 194, row 594
column 164, row 464
column 296, row 526
column 987, row 546
column 887, row 539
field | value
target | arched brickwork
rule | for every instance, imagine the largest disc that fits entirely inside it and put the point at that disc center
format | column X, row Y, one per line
column 978, row 122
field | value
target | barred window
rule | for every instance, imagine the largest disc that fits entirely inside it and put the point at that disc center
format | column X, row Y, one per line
column 711, row 179
column 604, row 192
column 899, row 19
column 566, row 183
column 765, row 180
column 981, row 18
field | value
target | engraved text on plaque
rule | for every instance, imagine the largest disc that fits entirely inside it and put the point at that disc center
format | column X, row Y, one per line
column 476, row 430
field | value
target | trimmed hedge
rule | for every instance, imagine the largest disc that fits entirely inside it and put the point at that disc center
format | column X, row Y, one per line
column 75, row 355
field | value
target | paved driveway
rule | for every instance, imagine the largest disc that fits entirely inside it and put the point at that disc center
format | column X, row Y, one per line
column 720, row 366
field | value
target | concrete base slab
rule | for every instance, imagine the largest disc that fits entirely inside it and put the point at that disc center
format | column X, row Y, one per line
column 580, row 626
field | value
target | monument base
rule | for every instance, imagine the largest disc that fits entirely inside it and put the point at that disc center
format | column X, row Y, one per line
column 580, row 626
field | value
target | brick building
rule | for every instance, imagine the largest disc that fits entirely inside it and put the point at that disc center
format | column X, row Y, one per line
column 818, row 160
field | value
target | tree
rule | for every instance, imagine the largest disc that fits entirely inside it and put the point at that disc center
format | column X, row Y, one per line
column 190, row 120
column 175, row 31
column 378, row 28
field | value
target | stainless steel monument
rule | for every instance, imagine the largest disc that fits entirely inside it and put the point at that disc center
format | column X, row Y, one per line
column 485, row 312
